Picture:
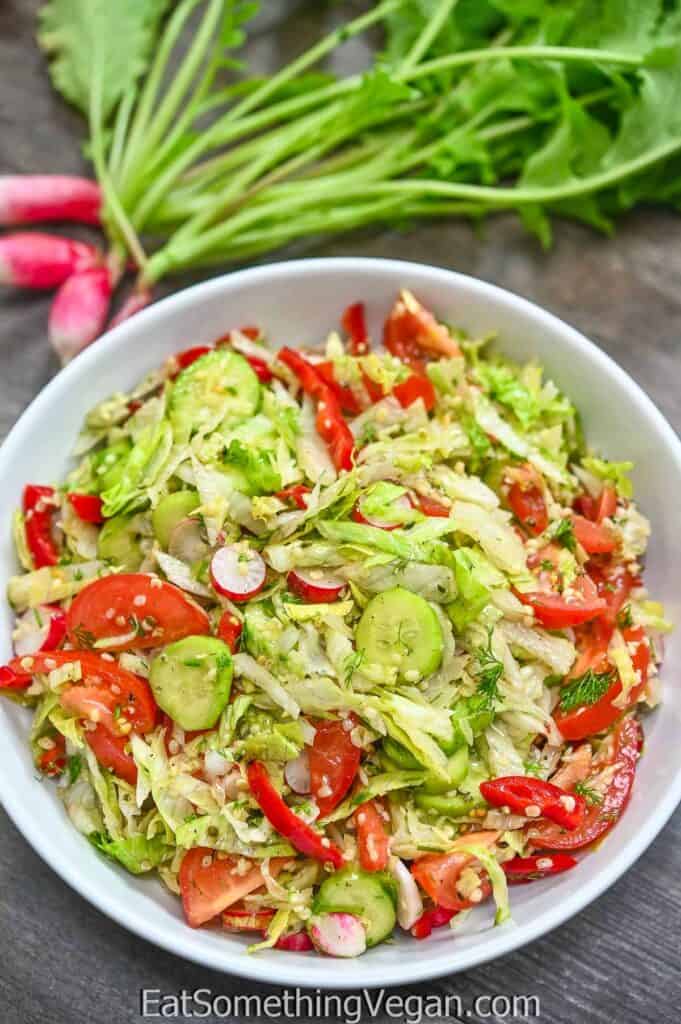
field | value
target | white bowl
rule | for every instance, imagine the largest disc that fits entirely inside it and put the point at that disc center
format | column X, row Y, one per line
column 297, row 303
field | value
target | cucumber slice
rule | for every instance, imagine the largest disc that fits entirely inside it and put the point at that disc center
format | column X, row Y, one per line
column 191, row 681
column 457, row 769
column 171, row 510
column 370, row 896
column 400, row 630
column 120, row 540
column 449, row 805
column 219, row 383
column 400, row 756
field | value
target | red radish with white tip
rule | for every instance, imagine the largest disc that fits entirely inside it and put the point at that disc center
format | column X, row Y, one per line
column 315, row 586
column 402, row 502
column 39, row 629
column 41, row 261
column 297, row 774
column 237, row 572
column 79, row 311
column 35, row 198
column 338, row 934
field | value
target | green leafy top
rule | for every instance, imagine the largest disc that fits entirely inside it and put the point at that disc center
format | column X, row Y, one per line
column 85, row 38
column 585, row 689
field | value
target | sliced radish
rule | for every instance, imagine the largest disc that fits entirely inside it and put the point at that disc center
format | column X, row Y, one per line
column 409, row 902
column 338, row 934
column 187, row 542
column 237, row 572
column 381, row 524
column 297, row 774
column 39, row 629
column 315, row 586
column 215, row 765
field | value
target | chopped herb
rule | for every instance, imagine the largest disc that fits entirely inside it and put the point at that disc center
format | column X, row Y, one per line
column 490, row 671
column 83, row 637
column 547, row 565
column 74, row 768
column 533, row 768
column 351, row 665
column 625, row 619
column 590, row 795
column 586, row 689
column 564, row 533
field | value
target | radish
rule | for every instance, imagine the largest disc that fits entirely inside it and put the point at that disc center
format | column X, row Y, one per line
column 41, row 261
column 297, row 774
column 409, row 902
column 338, row 934
column 140, row 298
column 315, row 586
column 39, row 629
column 237, row 572
column 381, row 524
column 78, row 313
column 32, row 198
column 295, row 942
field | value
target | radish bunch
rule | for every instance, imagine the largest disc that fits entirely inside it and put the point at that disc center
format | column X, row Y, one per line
column 84, row 278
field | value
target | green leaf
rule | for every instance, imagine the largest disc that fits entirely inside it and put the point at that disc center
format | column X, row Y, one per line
column 616, row 473
column 586, row 689
column 256, row 464
column 136, row 853
column 85, row 38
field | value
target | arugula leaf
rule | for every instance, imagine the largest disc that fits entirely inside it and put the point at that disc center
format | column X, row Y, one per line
column 586, row 689
column 84, row 38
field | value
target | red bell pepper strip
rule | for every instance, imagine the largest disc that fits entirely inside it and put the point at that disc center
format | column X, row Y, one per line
column 230, row 630
column 331, row 426
column 38, row 508
column 529, row 869
column 347, row 399
column 10, row 679
column 260, row 368
column 600, row 817
column 354, row 324
column 87, row 507
column 296, row 494
column 287, row 824
column 534, row 798
column 436, row 917
column 184, row 359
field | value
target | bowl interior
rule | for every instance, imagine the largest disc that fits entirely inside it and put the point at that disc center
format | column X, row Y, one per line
column 297, row 303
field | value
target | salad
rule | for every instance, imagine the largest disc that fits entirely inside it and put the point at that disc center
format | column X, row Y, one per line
column 337, row 642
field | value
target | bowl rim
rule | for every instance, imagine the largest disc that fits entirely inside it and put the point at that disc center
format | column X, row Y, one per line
column 295, row 970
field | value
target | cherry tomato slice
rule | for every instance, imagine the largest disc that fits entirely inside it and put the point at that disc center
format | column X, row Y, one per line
column 589, row 719
column 373, row 842
column 533, row 797
column 601, row 817
column 438, row 873
column 209, row 883
column 521, row 870
column 435, row 917
column 111, row 753
column 334, row 761
column 595, row 538
column 558, row 612
column 134, row 611
column 526, row 498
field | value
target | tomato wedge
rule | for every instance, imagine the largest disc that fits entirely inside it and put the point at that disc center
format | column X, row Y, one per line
column 600, row 508
column 133, row 611
column 111, row 753
column 334, row 761
column 600, row 817
column 209, row 883
column 373, row 842
column 412, row 332
column 526, row 498
column 614, row 583
column 558, row 612
column 438, row 874
column 588, row 719
column 595, row 538
column 104, row 687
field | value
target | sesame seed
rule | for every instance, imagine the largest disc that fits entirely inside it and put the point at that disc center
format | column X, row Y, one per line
column 476, row 896
column 544, row 863
column 326, row 843
column 139, row 600
column 568, row 802
column 532, row 811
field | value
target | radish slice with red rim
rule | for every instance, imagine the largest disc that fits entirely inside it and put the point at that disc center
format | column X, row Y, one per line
column 237, row 572
column 381, row 524
column 315, row 586
column 39, row 629
column 297, row 774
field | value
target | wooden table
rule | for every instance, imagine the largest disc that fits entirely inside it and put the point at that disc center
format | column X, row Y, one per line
column 62, row 961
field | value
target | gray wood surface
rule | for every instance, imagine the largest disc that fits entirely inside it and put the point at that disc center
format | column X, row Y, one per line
column 62, row 961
